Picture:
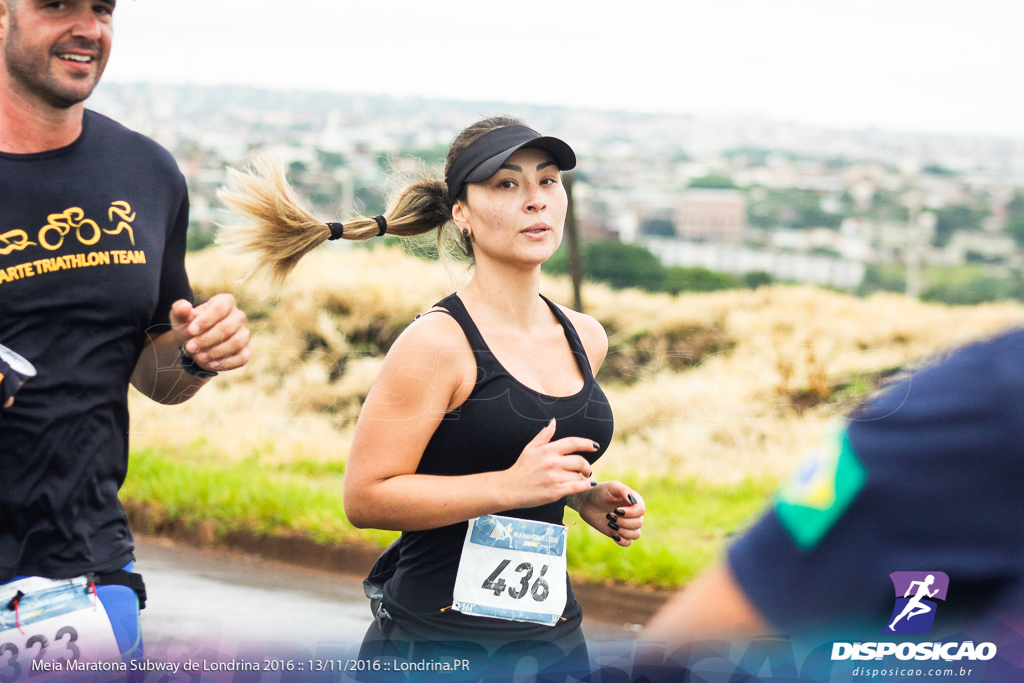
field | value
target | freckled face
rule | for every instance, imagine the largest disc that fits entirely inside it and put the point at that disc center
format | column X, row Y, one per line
column 54, row 52
column 518, row 213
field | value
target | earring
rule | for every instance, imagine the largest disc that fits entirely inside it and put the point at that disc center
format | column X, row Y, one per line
column 465, row 232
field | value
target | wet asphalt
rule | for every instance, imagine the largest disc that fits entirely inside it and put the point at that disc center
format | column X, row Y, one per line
column 225, row 601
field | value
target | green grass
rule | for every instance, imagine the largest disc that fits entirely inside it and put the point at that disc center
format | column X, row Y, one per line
column 247, row 495
column 936, row 275
column 685, row 528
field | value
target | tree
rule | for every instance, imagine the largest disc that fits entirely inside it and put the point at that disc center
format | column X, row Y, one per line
column 953, row 218
column 1015, row 207
column 974, row 291
column 1015, row 218
column 330, row 160
column 658, row 227
column 627, row 265
column 622, row 265
column 679, row 279
column 558, row 264
column 615, row 263
column 434, row 156
column 200, row 237
column 1016, row 285
column 751, row 156
column 790, row 208
column 296, row 170
column 757, row 278
column 880, row 279
column 1015, row 229
column 713, row 181
column 935, row 169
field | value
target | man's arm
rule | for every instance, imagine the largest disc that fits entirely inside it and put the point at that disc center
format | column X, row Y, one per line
column 713, row 606
column 214, row 334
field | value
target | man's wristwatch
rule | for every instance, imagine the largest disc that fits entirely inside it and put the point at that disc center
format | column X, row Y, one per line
column 189, row 365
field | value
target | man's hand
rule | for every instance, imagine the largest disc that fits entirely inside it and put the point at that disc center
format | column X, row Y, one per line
column 213, row 333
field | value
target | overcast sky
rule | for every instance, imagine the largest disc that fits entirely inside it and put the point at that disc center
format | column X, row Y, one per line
column 913, row 65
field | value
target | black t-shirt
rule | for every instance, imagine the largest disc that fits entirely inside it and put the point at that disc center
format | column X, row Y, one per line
column 924, row 479
column 92, row 247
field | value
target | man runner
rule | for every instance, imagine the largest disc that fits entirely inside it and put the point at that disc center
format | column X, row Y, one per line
column 94, row 294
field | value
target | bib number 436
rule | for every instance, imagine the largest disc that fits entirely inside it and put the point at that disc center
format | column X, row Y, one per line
column 539, row 591
column 503, row 561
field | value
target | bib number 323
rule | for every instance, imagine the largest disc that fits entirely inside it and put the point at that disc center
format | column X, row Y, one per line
column 57, row 622
column 512, row 569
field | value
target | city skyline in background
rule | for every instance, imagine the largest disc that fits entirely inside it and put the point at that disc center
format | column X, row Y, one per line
column 866, row 147
column 752, row 201
column 914, row 66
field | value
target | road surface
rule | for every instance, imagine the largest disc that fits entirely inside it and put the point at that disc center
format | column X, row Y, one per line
column 226, row 603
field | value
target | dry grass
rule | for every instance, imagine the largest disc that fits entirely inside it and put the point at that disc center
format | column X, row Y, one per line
column 717, row 386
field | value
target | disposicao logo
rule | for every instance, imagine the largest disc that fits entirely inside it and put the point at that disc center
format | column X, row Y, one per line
column 917, row 594
column 917, row 599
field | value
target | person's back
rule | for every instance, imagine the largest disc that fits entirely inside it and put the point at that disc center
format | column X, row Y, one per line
column 922, row 480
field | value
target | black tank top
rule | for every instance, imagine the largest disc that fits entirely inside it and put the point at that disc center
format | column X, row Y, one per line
column 487, row 433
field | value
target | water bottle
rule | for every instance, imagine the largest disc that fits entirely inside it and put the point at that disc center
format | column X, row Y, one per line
column 14, row 372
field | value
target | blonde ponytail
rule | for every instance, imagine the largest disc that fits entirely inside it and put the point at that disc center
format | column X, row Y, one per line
column 279, row 230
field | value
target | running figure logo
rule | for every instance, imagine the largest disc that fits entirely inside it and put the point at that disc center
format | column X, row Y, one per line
column 916, row 596
column 501, row 532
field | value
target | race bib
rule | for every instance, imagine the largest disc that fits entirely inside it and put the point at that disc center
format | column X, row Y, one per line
column 512, row 569
column 58, row 625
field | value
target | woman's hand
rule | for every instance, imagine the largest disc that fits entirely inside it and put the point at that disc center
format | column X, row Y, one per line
column 614, row 509
column 548, row 470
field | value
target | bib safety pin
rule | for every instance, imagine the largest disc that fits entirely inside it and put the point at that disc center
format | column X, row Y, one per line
column 13, row 605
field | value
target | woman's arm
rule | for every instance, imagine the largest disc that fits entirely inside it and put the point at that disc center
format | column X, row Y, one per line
column 428, row 371
column 611, row 507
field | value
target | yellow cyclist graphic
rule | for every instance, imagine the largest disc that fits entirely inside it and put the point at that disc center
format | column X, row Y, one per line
column 62, row 223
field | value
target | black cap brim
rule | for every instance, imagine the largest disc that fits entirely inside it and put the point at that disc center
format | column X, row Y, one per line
column 562, row 153
column 482, row 158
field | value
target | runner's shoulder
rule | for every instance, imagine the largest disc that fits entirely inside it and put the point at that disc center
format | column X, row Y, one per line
column 433, row 331
column 591, row 334
column 130, row 144
column 433, row 340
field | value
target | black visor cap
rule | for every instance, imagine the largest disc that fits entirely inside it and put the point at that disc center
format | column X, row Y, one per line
column 485, row 155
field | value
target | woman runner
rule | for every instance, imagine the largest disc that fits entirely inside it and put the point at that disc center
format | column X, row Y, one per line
column 485, row 418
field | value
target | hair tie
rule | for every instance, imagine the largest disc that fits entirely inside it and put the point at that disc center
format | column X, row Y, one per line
column 382, row 223
column 337, row 230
